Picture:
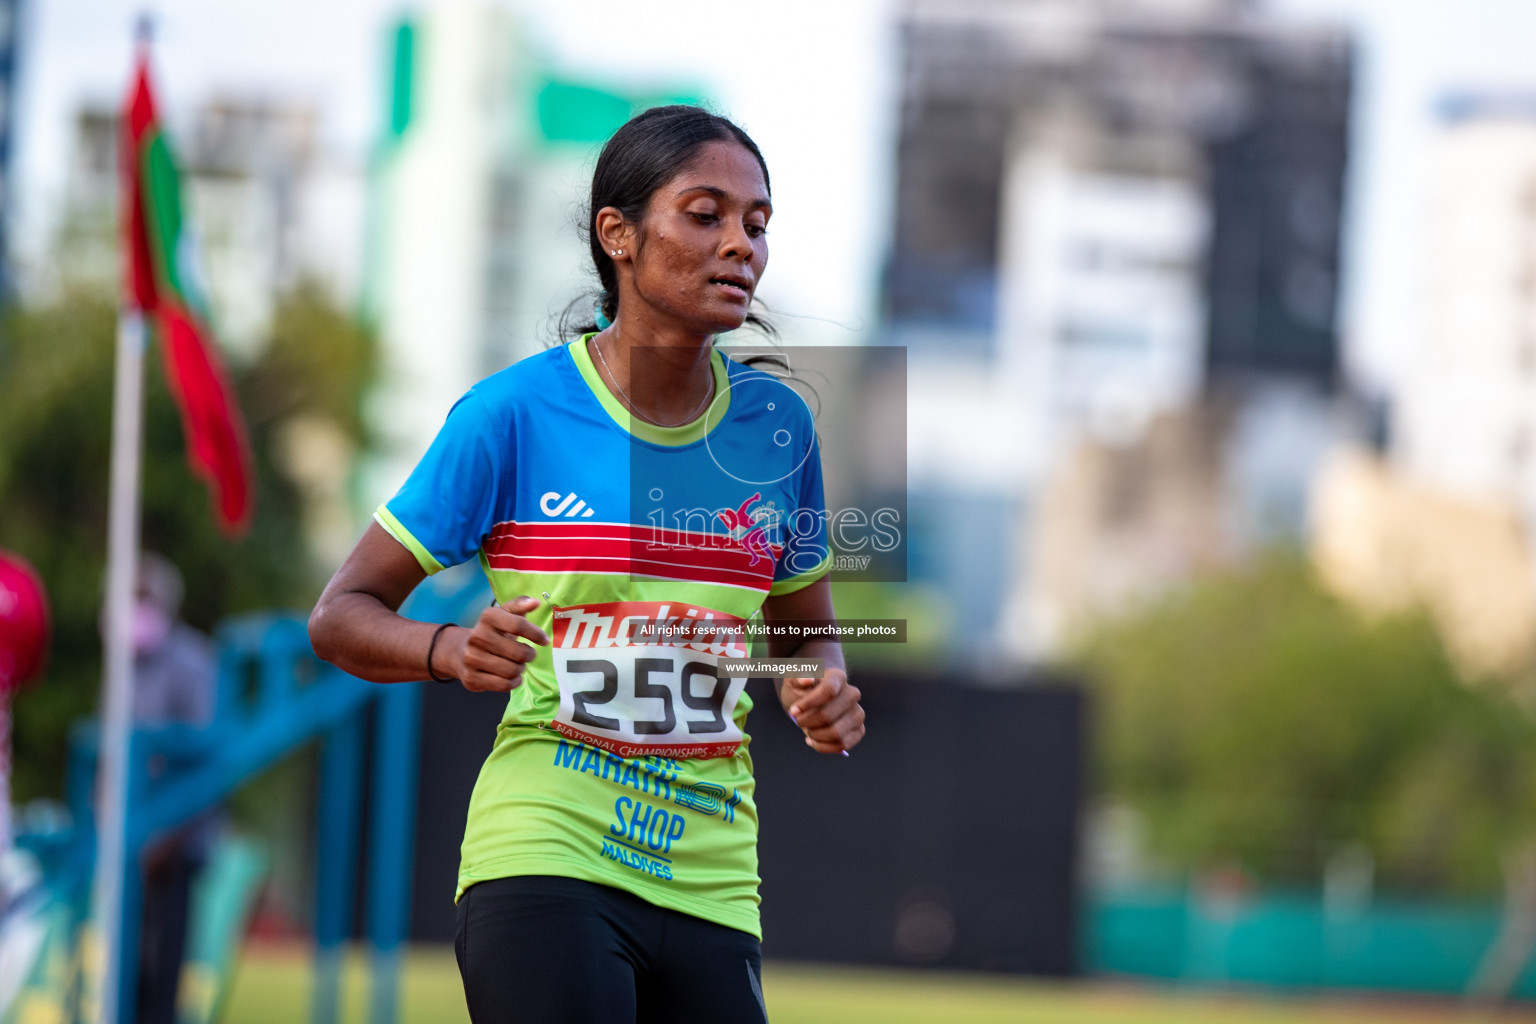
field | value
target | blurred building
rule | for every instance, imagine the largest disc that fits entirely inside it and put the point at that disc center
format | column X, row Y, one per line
column 268, row 205
column 475, row 247
column 1465, row 415
column 1447, row 522
column 1388, row 543
column 1116, row 251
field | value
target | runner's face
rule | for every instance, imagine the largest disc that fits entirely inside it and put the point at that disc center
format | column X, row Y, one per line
column 704, row 243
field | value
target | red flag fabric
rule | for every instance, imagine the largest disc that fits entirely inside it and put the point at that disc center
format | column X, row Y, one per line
column 160, row 282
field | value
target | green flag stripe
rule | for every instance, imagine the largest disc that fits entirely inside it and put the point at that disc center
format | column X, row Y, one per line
column 162, row 212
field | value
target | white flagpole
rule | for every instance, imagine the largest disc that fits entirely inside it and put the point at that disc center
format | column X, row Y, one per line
column 5, row 777
column 117, row 685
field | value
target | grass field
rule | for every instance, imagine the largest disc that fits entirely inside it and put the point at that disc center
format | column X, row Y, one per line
column 273, row 985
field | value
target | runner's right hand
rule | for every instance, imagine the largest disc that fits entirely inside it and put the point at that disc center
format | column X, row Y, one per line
column 490, row 657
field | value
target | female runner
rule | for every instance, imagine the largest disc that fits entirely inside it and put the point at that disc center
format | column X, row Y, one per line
column 654, row 495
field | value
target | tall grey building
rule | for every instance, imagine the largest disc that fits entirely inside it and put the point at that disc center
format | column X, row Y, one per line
column 1109, row 213
column 1249, row 113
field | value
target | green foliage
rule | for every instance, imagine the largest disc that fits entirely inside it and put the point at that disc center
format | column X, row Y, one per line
column 927, row 624
column 1252, row 718
column 56, row 369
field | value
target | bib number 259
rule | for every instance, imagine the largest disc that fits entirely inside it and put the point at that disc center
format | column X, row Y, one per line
column 648, row 700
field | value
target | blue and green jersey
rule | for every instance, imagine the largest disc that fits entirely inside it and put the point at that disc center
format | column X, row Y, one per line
column 623, row 758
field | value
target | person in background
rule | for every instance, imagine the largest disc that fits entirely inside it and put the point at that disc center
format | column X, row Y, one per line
column 174, row 683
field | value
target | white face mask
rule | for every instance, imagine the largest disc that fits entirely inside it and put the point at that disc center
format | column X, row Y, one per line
column 149, row 626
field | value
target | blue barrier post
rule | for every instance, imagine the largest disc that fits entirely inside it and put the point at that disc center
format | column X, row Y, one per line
column 335, row 860
column 126, row 996
column 298, row 698
column 397, row 737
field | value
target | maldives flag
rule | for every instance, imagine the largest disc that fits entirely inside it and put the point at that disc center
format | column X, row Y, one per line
column 162, row 283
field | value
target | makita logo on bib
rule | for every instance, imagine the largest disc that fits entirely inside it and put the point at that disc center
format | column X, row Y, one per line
column 650, row 624
column 569, row 506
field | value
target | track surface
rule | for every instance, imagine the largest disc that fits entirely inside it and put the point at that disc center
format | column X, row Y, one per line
column 273, row 985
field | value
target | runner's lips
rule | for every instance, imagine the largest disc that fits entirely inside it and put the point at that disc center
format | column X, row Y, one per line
column 731, row 281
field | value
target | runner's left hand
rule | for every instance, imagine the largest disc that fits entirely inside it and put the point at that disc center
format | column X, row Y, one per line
column 827, row 710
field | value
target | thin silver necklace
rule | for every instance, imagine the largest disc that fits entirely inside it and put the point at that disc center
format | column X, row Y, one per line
column 631, row 402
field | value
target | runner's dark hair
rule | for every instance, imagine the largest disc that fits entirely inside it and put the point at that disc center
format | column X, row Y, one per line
column 647, row 152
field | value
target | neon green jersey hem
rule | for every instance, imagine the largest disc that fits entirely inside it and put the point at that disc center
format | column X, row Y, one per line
column 802, row 580
column 396, row 529
column 542, row 864
column 685, row 433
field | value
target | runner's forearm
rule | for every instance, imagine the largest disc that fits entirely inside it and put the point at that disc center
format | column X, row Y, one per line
column 358, row 634
column 355, row 626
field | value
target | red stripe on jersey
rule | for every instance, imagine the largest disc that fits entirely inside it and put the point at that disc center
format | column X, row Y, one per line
column 619, row 548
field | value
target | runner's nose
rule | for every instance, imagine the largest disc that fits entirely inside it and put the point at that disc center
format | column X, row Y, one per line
column 737, row 245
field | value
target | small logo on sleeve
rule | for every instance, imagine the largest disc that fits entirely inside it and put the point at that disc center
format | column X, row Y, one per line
column 555, row 506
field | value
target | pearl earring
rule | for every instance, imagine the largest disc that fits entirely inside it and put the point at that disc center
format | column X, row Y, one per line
column 618, row 252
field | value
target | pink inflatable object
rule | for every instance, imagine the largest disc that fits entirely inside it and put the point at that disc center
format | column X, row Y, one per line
column 24, row 624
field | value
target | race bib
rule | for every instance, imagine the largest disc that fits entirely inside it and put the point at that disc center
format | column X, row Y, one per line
column 640, row 677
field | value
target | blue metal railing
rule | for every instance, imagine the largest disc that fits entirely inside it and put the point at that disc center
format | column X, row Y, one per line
column 273, row 697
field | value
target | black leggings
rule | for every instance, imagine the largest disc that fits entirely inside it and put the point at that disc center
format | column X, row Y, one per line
column 538, row 949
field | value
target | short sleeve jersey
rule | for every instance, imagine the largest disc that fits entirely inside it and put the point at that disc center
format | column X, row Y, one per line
column 623, row 758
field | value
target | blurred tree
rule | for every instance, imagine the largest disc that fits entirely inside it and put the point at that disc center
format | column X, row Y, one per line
column 56, row 367
column 926, row 615
column 1251, row 718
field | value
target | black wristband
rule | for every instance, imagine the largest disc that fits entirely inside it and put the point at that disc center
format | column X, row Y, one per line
column 431, row 674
